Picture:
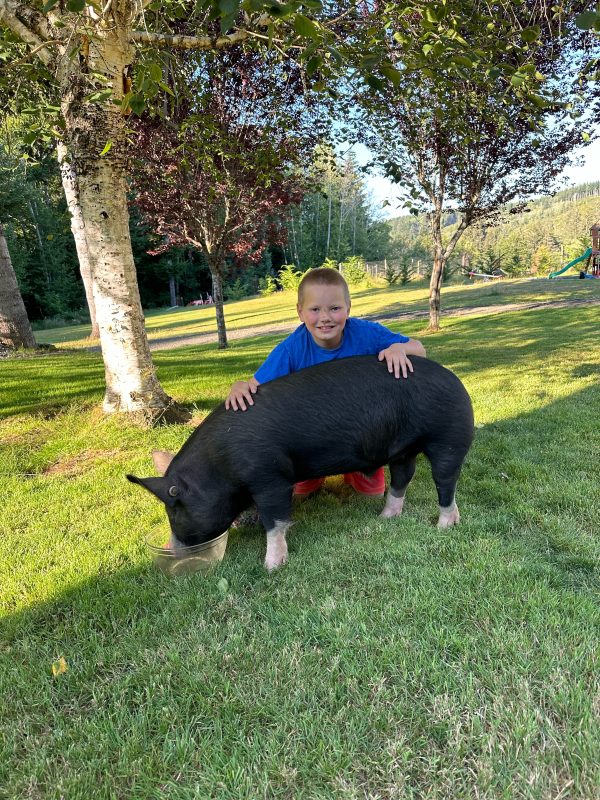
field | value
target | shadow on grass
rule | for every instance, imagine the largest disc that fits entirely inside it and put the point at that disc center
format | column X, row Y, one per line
column 536, row 496
column 467, row 345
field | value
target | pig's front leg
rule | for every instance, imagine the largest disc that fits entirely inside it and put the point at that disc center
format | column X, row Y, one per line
column 274, row 503
column 277, row 551
column 393, row 504
column 448, row 516
column 401, row 471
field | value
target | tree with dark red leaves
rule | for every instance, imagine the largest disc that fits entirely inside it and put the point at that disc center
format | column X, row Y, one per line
column 221, row 172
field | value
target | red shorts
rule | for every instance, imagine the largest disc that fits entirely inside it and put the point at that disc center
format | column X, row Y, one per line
column 373, row 485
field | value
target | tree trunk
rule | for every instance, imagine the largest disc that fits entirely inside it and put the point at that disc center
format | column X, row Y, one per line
column 15, row 329
column 328, row 225
column 437, row 273
column 173, row 291
column 95, row 134
column 217, row 278
column 440, row 259
column 71, row 190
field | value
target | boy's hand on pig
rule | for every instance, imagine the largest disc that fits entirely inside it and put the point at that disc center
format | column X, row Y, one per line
column 396, row 359
column 240, row 394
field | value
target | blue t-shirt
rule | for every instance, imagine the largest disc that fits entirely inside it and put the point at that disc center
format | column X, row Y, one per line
column 299, row 350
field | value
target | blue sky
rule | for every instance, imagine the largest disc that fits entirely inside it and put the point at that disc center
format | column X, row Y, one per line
column 381, row 189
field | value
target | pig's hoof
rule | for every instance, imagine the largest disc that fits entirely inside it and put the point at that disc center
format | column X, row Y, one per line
column 273, row 563
column 449, row 517
column 393, row 507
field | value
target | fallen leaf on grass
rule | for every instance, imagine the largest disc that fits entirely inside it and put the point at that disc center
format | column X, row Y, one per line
column 59, row 666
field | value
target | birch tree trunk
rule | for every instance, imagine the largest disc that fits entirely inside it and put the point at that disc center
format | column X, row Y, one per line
column 15, row 329
column 95, row 134
column 71, row 190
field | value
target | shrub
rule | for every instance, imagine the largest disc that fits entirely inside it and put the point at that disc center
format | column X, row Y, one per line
column 330, row 263
column 354, row 270
column 267, row 285
column 402, row 272
column 235, row 291
column 289, row 277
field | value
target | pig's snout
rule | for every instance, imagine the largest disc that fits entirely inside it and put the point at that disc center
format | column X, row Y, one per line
column 175, row 545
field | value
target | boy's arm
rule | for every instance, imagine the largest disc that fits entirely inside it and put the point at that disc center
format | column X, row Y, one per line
column 276, row 364
column 241, row 393
column 396, row 356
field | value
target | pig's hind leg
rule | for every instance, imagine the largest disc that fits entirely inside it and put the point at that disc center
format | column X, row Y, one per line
column 401, row 473
column 446, row 463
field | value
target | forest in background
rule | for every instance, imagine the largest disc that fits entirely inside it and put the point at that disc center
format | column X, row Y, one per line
column 334, row 221
column 541, row 239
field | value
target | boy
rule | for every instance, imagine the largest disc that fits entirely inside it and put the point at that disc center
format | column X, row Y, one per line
column 328, row 332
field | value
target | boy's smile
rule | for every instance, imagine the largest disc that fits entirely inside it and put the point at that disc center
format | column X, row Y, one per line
column 324, row 311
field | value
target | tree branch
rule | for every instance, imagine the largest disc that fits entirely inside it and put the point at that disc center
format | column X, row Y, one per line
column 29, row 25
column 32, row 52
column 188, row 42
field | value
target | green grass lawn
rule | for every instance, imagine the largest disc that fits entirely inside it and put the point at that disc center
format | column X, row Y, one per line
column 387, row 660
column 391, row 300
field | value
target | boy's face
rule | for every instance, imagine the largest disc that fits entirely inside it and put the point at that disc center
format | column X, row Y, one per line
column 324, row 311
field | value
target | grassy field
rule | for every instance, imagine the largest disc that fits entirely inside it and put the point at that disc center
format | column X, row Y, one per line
column 280, row 307
column 387, row 660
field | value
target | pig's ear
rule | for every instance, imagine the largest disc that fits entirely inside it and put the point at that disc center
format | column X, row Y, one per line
column 162, row 459
column 163, row 488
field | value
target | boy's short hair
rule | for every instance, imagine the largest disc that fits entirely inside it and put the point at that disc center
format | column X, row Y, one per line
column 325, row 276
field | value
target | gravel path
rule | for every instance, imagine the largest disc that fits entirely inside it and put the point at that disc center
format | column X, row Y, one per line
column 170, row 342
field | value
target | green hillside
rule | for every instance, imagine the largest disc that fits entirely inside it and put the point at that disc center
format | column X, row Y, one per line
column 552, row 231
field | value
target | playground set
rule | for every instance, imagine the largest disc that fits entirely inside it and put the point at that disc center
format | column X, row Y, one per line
column 591, row 258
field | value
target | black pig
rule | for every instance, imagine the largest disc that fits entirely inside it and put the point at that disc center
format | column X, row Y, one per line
column 343, row 416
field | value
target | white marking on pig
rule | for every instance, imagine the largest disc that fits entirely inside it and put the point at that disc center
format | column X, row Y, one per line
column 448, row 516
column 393, row 505
column 277, row 551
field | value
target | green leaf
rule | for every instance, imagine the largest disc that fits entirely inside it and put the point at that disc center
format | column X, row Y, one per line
column 539, row 101
column 137, row 103
column 313, row 65
column 586, row 20
column 165, row 88
column 99, row 96
column 223, row 585
column 518, row 79
column 107, row 147
column 531, row 34
column 391, row 73
column 374, row 82
column 305, row 27
column 368, row 62
column 585, row 136
column 75, row 5
column 462, row 61
column 50, row 4
column 155, row 72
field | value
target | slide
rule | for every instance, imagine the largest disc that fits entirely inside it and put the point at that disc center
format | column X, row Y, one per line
column 584, row 257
